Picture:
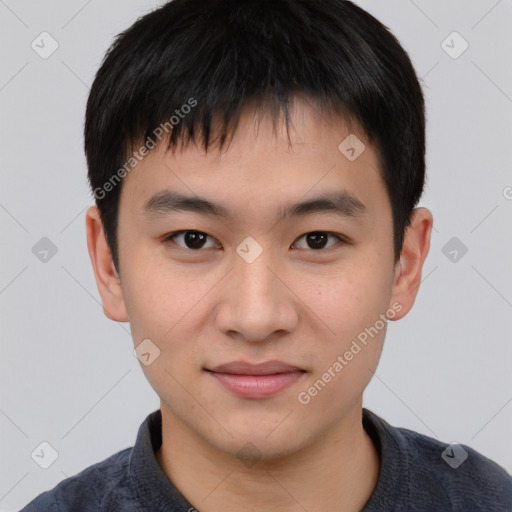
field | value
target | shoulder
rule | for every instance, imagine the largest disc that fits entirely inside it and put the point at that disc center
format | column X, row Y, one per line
column 102, row 486
column 455, row 464
column 448, row 474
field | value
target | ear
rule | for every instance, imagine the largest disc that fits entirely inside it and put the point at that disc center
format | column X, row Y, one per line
column 408, row 268
column 107, row 278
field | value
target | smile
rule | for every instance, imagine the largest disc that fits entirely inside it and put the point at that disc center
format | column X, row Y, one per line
column 256, row 381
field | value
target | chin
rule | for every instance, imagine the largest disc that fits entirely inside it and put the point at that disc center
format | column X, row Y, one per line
column 256, row 443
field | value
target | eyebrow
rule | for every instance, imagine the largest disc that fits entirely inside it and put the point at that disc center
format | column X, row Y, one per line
column 341, row 203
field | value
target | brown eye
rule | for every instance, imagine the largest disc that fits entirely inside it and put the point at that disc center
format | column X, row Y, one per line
column 317, row 240
column 193, row 240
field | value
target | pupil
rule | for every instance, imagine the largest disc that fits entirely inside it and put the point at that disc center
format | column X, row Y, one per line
column 317, row 240
column 194, row 239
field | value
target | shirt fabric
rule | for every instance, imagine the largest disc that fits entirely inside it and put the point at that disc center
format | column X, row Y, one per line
column 413, row 476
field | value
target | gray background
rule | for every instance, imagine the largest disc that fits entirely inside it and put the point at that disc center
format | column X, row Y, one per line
column 68, row 375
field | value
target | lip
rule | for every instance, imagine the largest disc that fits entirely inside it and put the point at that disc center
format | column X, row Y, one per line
column 266, row 368
column 256, row 381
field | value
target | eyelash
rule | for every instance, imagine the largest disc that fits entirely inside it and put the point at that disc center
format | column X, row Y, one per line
column 342, row 240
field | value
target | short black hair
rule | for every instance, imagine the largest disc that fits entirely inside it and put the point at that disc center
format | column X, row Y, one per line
column 191, row 66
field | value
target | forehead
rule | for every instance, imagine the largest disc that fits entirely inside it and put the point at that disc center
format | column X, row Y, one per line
column 265, row 165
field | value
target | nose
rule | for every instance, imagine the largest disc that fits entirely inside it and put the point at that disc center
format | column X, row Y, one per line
column 257, row 304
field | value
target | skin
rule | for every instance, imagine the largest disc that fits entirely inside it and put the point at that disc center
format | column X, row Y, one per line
column 293, row 303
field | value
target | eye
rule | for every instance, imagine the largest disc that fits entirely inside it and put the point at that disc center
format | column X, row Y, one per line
column 317, row 240
column 193, row 240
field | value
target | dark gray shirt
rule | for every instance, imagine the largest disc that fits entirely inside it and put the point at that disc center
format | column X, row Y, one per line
column 417, row 473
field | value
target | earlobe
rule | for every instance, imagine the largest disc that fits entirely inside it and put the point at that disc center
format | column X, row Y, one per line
column 409, row 268
column 107, row 279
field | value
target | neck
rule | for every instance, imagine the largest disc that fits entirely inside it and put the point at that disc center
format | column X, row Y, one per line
column 337, row 472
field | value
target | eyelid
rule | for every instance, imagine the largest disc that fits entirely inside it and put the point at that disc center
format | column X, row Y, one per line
column 170, row 238
column 342, row 240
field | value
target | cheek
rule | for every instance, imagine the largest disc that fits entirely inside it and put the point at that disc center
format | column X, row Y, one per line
column 352, row 308
column 161, row 310
column 156, row 297
column 348, row 300
column 350, row 304
column 339, row 385
column 168, row 308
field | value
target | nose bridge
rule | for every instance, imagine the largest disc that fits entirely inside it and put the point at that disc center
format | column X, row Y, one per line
column 258, row 303
column 251, row 266
column 256, row 280
column 256, row 286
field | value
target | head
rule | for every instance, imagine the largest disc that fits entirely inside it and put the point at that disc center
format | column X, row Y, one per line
column 286, row 247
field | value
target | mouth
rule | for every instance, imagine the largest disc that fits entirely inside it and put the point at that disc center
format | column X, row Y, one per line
column 256, row 381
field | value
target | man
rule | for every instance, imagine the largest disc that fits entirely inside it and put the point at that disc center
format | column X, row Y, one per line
column 256, row 167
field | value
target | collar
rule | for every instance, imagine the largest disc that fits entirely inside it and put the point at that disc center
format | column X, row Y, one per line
column 158, row 494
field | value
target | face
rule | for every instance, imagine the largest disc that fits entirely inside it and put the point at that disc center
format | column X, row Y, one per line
column 251, row 279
